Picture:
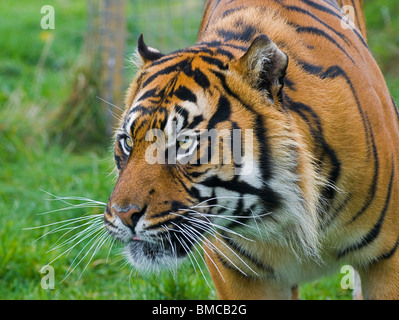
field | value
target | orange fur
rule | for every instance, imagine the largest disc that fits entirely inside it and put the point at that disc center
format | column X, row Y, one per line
column 327, row 154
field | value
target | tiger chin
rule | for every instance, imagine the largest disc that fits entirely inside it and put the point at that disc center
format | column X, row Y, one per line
column 263, row 144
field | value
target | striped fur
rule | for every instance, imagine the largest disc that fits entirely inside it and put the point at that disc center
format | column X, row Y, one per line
column 322, row 187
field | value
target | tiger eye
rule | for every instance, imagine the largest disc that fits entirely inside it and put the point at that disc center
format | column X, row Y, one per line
column 186, row 143
column 129, row 142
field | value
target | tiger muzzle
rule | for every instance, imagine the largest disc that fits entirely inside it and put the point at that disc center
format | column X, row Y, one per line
column 129, row 215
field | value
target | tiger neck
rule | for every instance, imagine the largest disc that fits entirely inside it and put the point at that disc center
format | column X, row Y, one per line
column 294, row 175
column 236, row 26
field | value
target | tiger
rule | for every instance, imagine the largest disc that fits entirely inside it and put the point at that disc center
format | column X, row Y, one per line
column 314, row 184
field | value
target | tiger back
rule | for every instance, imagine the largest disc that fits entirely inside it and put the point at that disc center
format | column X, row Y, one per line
column 317, row 185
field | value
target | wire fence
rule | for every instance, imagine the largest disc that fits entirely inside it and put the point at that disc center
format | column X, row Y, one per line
column 166, row 24
column 113, row 29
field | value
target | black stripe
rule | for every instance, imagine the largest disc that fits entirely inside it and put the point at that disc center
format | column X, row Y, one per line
column 357, row 16
column 212, row 12
column 197, row 174
column 321, row 8
column 246, row 34
column 137, row 125
column 160, row 119
column 335, row 212
column 242, row 215
column 333, row 3
column 143, row 110
column 388, row 254
column 232, row 185
column 316, row 130
column 165, row 59
column 184, row 172
column 123, row 158
column 331, row 73
column 174, row 218
column 168, row 70
column 118, row 161
column 373, row 187
column 243, row 253
column 289, row 84
column 375, row 231
column 339, row 16
column 197, row 120
column 395, row 108
column 216, row 62
column 321, row 33
column 269, row 196
column 230, row 11
column 147, row 94
column 184, row 113
column 301, row 10
column 217, row 44
column 228, row 265
column 223, row 112
column 185, row 94
column 225, row 52
column 194, row 50
column 108, row 223
column 199, row 77
column 264, row 150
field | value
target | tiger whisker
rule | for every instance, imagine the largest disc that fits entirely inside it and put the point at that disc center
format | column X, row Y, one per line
column 75, row 198
column 95, row 240
column 188, row 236
column 224, row 217
column 185, row 247
column 222, row 197
column 110, row 248
column 103, row 238
column 66, row 223
column 97, row 234
column 206, row 253
column 213, row 224
column 206, row 223
column 221, row 253
column 253, row 216
column 76, row 206
column 233, row 216
column 76, row 236
column 173, row 248
column 70, row 229
column 111, row 104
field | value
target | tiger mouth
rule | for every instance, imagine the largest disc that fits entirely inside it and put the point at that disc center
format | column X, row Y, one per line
column 155, row 247
column 153, row 256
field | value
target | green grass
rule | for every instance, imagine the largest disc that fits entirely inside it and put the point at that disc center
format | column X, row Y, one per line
column 31, row 160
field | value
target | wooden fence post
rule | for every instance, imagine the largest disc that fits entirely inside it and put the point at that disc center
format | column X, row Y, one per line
column 112, row 50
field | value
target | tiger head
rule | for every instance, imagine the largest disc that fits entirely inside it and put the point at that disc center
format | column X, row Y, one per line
column 193, row 148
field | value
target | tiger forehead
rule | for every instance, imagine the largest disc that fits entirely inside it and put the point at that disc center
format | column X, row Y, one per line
column 181, row 105
column 174, row 87
column 195, row 68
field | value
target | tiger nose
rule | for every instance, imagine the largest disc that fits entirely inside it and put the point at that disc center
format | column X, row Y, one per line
column 129, row 215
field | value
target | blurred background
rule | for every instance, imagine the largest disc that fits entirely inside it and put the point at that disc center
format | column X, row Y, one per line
column 61, row 91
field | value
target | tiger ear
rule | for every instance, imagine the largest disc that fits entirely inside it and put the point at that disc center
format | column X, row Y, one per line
column 264, row 65
column 145, row 53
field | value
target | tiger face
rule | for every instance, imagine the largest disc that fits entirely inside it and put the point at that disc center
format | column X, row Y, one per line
column 191, row 152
